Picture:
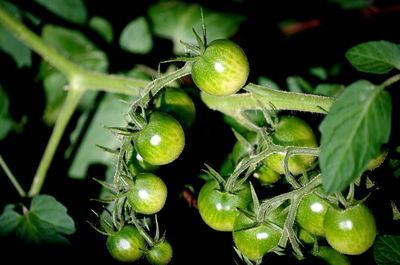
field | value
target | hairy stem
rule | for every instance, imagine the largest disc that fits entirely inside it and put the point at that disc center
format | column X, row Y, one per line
column 12, row 178
column 258, row 97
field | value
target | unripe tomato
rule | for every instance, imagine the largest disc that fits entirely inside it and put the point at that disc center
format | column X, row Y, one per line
column 222, row 70
column 126, row 245
column 351, row 231
column 136, row 164
column 148, row 194
column 292, row 131
column 311, row 213
column 160, row 254
column 218, row 209
column 176, row 102
column 161, row 141
column 255, row 241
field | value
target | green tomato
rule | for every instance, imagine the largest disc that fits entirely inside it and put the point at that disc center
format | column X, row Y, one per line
column 265, row 175
column 148, row 194
column 176, row 102
column 222, row 70
column 218, row 208
column 160, row 254
column 136, row 164
column 161, row 141
column 292, row 131
column 240, row 149
column 126, row 245
column 311, row 213
column 331, row 256
column 350, row 231
column 254, row 240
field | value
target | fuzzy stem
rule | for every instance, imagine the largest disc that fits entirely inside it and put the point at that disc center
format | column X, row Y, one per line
column 260, row 98
column 12, row 178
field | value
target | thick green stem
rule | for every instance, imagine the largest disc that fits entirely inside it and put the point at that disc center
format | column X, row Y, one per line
column 11, row 177
column 258, row 97
column 66, row 112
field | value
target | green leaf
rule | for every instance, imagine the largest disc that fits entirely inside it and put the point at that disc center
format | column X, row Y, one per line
column 46, row 221
column 136, row 37
column 9, row 220
column 329, row 90
column 352, row 133
column 103, row 27
column 9, row 44
column 298, row 84
column 352, row 4
column 319, row 72
column 387, row 250
column 110, row 113
column 175, row 20
column 5, row 119
column 70, row 10
column 267, row 82
column 74, row 45
column 377, row 57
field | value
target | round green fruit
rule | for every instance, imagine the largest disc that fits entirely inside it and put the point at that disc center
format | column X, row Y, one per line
column 292, row 131
column 126, row 245
column 222, row 69
column 351, row 231
column 161, row 141
column 218, row 208
column 148, row 194
column 160, row 254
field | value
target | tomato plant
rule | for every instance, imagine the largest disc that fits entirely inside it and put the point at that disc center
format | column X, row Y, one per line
column 236, row 114
column 218, row 208
column 126, row 245
column 148, row 193
column 161, row 141
column 350, row 231
column 222, row 69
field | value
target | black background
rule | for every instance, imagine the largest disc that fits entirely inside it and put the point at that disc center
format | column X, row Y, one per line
column 270, row 53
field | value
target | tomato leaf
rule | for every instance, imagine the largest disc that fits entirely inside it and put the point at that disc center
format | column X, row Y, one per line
column 46, row 221
column 387, row 250
column 74, row 45
column 103, row 27
column 9, row 44
column 377, row 57
column 5, row 119
column 352, row 133
column 136, row 37
column 175, row 20
column 109, row 113
column 71, row 10
column 352, row 4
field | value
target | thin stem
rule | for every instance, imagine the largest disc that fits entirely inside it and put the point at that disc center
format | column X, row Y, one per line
column 36, row 43
column 12, row 178
column 66, row 112
column 390, row 81
column 296, row 151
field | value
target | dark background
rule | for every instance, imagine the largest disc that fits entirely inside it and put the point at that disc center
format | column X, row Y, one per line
column 270, row 52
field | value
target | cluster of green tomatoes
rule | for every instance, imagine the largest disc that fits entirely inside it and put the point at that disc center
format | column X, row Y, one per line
column 229, row 203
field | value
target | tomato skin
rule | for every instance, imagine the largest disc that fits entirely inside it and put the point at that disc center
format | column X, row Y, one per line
column 331, row 256
column 222, row 70
column 292, row 131
column 255, row 242
column 126, row 245
column 148, row 194
column 351, row 231
column 161, row 141
column 160, row 254
column 176, row 102
column 136, row 164
column 218, row 208
column 311, row 214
